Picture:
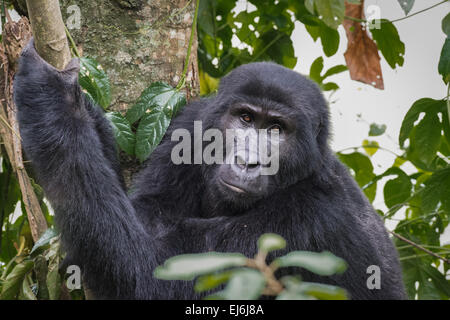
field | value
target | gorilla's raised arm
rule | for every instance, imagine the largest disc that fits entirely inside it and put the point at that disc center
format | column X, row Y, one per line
column 65, row 137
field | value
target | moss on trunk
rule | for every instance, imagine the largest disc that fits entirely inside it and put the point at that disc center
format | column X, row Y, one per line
column 137, row 42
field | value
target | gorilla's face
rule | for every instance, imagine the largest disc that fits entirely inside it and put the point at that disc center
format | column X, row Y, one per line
column 248, row 171
column 265, row 98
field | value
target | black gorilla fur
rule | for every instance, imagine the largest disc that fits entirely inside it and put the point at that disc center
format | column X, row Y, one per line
column 118, row 240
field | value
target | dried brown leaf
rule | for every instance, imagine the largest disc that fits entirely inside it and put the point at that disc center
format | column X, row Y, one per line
column 362, row 58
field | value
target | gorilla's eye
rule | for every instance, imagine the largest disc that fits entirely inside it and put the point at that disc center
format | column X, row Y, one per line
column 246, row 117
column 274, row 128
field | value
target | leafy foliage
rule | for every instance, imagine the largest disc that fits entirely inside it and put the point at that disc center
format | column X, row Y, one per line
column 95, row 82
column 249, row 279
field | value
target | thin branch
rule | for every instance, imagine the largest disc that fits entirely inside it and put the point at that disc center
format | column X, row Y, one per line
column 399, row 19
column 191, row 41
column 420, row 247
column 426, row 9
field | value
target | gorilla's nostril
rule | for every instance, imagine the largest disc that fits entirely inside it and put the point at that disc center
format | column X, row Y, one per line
column 240, row 162
column 253, row 165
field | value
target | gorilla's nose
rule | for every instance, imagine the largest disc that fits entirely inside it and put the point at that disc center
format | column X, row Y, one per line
column 248, row 166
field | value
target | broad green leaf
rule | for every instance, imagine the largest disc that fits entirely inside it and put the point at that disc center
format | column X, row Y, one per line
column 125, row 137
column 406, row 5
column 211, row 281
column 437, row 188
column 276, row 46
column 151, row 130
column 95, row 81
column 324, row 263
column 270, row 242
column 331, row 11
column 425, row 139
column 426, row 105
column 397, row 190
column 245, row 284
column 362, row 168
column 329, row 37
column 389, row 43
column 377, row 129
column 158, row 95
column 444, row 61
column 45, row 239
column 188, row 266
column 13, row 282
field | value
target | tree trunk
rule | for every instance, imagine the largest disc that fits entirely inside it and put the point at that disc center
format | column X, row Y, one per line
column 48, row 29
column 137, row 42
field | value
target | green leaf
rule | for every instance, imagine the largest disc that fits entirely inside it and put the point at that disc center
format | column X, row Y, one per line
column 335, row 70
column 377, row 129
column 122, row 132
column 426, row 105
column 316, row 69
column 54, row 278
column 406, row 5
column 44, row 240
column 389, row 43
column 444, row 61
column 276, row 46
column 245, row 284
column 446, row 25
column 425, row 139
column 371, row 147
column 270, row 242
column 158, row 95
column 324, row 263
column 309, row 4
column 329, row 37
column 188, row 266
column 95, row 81
column 437, row 189
column 362, row 168
column 25, row 292
column 329, row 86
column 13, row 281
column 211, row 281
column 397, row 190
column 323, row 291
column 332, row 11
column 150, row 131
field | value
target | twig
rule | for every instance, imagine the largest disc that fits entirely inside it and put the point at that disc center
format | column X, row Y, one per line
column 399, row 19
column 420, row 247
column 191, row 41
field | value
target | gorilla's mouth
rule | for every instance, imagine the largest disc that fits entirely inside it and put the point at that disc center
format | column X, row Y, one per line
column 232, row 186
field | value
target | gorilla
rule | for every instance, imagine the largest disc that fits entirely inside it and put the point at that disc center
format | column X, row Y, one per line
column 119, row 237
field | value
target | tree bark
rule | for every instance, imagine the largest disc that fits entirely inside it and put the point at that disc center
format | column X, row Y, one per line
column 48, row 30
column 137, row 42
column 15, row 36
